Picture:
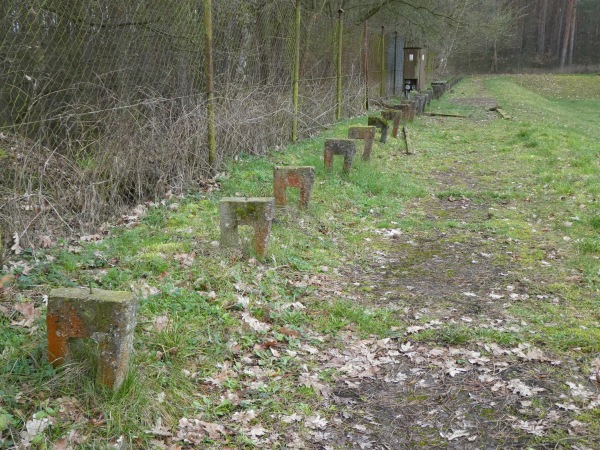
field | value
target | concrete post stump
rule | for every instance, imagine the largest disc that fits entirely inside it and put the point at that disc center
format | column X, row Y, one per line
column 438, row 89
column 342, row 147
column 382, row 124
column 409, row 110
column 258, row 212
column 366, row 134
column 429, row 93
column 109, row 318
column 394, row 117
column 297, row 177
column 420, row 99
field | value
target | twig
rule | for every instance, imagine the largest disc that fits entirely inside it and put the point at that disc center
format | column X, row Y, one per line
column 445, row 115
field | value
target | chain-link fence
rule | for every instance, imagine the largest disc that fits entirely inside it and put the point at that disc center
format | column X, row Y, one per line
column 102, row 103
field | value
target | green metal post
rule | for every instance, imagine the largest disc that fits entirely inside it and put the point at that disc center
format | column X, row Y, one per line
column 366, row 66
column 296, row 72
column 382, row 63
column 395, row 60
column 338, row 112
column 210, row 88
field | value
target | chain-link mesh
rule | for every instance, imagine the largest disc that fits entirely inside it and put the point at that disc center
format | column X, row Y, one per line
column 103, row 102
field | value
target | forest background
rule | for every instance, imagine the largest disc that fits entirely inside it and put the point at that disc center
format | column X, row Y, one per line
column 103, row 104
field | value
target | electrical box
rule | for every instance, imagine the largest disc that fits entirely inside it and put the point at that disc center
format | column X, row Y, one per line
column 414, row 69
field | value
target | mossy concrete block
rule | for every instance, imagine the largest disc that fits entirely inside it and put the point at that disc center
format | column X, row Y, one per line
column 393, row 116
column 257, row 212
column 438, row 89
column 107, row 317
column 366, row 134
column 382, row 124
column 341, row 147
column 302, row 177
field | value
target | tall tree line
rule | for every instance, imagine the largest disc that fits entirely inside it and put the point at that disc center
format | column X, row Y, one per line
column 542, row 34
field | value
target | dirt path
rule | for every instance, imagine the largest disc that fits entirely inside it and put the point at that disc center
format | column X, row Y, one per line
column 438, row 385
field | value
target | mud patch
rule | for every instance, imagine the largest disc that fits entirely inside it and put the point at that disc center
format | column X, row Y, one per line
column 397, row 395
column 450, row 274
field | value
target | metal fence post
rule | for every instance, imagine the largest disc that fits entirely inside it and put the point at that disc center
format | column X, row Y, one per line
column 338, row 112
column 210, row 88
column 382, row 63
column 296, row 72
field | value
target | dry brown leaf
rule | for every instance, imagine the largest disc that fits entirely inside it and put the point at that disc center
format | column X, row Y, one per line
column 214, row 430
column 29, row 313
column 45, row 241
column 160, row 323
column 6, row 279
column 16, row 248
column 289, row 332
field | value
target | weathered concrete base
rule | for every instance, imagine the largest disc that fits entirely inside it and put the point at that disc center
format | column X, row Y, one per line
column 429, row 93
column 439, row 87
column 420, row 103
column 257, row 212
column 408, row 113
column 343, row 147
column 297, row 177
column 382, row 124
column 367, row 134
column 394, row 117
column 106, row 317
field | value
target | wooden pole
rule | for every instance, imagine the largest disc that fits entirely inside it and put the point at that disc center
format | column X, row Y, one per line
column 296, row 72
column 338, row 111
column 210, row 89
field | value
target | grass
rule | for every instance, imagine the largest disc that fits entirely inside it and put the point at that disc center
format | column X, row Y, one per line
column 534, row 179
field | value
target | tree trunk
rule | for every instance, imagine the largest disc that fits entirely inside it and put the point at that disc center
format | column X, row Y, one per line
column 541, row 44
column 567, row 35
column 556, row 28
column 572, row 41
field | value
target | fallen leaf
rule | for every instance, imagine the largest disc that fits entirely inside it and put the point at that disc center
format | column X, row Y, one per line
column 29, row 312
column 518, row 387
column 255, row 324
column 288, row 332
column 257, row 430
column 16, row 248
column 315, row 422
column 45, row 241
column 290, row 419
column 160, row 323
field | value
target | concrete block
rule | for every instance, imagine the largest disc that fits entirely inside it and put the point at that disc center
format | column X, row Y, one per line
column 342, row 147
column 258, row 212
column 366, row 134
column 109, row 318
column 408, row 113
column 297, row 177
column 382, row 124
column 394, row 117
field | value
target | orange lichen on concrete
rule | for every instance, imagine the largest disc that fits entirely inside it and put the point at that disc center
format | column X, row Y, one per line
column 297, row 177
column 106, row 317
